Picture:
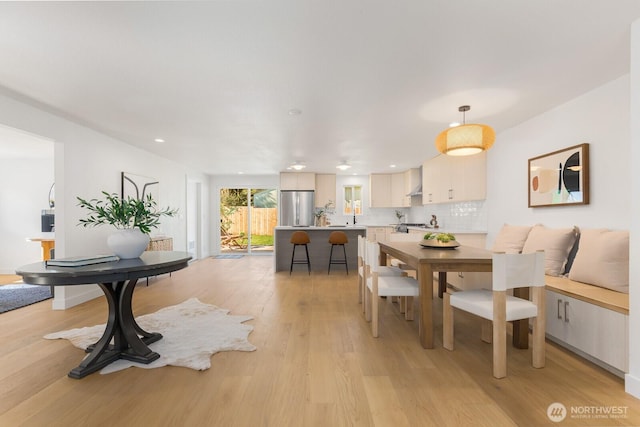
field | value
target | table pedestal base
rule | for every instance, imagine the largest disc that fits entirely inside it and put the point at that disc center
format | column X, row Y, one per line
column 130, row 341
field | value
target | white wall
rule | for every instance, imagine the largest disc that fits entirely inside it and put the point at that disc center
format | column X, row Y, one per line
column 87, row 162
column 25, row 180
column 632, row 379
column 599, row 117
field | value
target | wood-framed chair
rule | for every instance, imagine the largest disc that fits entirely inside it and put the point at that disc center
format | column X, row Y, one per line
column 510, row 271
column 363, row 271
column 380, row 283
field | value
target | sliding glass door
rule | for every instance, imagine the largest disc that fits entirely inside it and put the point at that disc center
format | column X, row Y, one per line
column 247, row 219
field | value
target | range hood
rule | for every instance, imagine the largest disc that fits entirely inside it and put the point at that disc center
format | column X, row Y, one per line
column 417, row 191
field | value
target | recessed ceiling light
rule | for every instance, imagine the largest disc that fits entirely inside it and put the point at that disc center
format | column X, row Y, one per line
column 159, row 140
column 295, row 112
column 343, row 166
column 392, row 166
column 454, row 124
column 297, row 166
column 240, row 173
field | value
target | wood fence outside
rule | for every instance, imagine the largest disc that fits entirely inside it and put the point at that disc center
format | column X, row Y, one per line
column 263, row 221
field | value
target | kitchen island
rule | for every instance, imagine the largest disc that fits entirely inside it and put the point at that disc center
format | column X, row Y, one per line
column 319, row 248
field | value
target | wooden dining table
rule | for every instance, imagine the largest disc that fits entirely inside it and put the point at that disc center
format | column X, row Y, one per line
column 426, row 261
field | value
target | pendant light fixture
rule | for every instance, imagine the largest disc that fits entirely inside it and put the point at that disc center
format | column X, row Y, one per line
column 465, row 139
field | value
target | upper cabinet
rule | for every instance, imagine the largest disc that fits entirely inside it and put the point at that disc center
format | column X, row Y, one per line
column 454, row 179
column 380, row 190
column 390, row 190
column 325, row 189
column 297, row 181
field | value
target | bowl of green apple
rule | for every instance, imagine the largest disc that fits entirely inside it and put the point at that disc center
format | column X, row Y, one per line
column 439, row 241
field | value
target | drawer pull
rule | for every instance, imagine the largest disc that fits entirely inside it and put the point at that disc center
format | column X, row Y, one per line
column 566, row 318
column 559, row 303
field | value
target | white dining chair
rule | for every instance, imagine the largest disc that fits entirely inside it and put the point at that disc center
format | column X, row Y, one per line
column 510, row 271
column 363, row 271
column 379, row 283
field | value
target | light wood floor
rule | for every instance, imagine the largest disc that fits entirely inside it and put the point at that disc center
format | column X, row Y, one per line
column 316, row 365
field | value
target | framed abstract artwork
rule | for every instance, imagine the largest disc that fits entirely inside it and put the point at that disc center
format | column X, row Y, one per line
column 560, row 178
column 138, row 186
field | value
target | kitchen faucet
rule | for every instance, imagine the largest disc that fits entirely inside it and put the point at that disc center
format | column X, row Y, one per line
column 434, row 221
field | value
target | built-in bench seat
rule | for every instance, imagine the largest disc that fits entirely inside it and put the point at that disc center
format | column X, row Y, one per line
column 587, row 285
column 612, row 300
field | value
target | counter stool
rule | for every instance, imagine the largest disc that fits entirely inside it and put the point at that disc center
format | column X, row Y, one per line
column 338, row 238
column 300, row 238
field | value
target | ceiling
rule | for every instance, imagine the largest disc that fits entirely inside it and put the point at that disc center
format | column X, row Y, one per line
column 375, row 81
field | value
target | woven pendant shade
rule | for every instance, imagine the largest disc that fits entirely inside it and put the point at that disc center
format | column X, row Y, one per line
column 465, row 140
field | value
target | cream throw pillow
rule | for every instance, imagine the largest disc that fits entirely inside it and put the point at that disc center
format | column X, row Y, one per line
column 511, row 238
column 603, row 259
column 556, row 244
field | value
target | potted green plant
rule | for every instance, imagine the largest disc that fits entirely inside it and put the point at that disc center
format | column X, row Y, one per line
column 133, row 218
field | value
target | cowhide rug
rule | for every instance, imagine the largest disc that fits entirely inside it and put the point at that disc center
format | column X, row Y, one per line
column 192, row 332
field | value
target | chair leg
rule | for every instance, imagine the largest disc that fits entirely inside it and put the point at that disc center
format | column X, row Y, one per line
column 330, row 259
column 375, row 305
column 447, row 322
column 346, row 265
column 306, row 249
column 499, row 334
column 366, row 308
column 539, row 326
column 408, row 309
column 293, row 255
column 487, row 331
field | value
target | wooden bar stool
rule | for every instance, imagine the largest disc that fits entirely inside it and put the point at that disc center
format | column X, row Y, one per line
column 300, row 238
column 338, row 238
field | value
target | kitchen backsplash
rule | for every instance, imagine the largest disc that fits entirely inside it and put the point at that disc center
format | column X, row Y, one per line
column 463, row 216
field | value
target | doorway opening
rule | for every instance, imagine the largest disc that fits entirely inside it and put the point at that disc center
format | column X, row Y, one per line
column 247, row 219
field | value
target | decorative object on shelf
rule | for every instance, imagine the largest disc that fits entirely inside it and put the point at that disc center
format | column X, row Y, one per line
column 560, row 178
column 134, row 219
column 439, row 241
column 322, row 212
column 465, row 139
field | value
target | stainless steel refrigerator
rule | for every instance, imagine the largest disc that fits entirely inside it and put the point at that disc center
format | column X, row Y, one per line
column 296, row 208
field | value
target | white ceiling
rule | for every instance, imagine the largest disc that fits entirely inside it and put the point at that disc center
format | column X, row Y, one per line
column 375, row 80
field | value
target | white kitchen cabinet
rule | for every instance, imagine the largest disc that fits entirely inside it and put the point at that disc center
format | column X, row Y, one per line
column 597, row 332
column 379, row 233
column 388, row 190
column 325, row 189
column 399, row 193
column 297, row 181
column 380, row 190
column 454, row 178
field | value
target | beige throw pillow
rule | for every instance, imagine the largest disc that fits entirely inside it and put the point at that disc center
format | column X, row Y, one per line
column 556, row 244
column 602, row 259
column 511, row 238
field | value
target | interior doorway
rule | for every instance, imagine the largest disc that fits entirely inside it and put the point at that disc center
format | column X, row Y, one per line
column 247, row 219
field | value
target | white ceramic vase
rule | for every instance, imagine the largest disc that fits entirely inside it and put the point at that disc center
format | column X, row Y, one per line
column 128, row 243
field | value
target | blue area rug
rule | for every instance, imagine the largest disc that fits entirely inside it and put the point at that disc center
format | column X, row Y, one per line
column 20, row 295
column 228, row 256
